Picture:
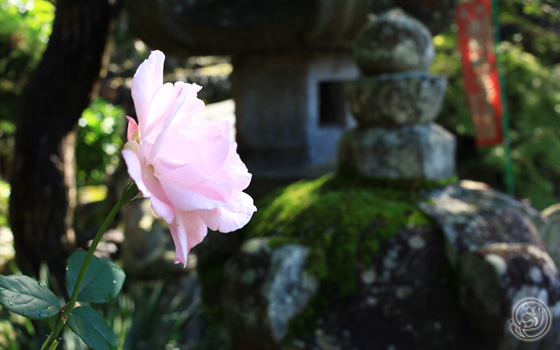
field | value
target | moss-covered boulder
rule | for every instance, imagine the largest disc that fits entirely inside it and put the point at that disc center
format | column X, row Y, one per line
column 350, row 263
column 494, row 244
column 339, row 222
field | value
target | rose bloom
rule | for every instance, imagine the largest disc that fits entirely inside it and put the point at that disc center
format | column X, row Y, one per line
column 188, row 166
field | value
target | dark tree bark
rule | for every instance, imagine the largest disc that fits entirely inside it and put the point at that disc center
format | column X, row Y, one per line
column 43, row 189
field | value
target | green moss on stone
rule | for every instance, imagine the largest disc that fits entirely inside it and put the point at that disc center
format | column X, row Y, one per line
column 342, row 220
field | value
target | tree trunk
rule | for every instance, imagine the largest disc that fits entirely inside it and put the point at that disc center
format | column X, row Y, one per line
column 43, row 181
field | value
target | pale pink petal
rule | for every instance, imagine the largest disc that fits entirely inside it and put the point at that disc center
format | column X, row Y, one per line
column 188, row 114
column 172, row 171
column 229, row 218
column 148, row 78
column 180, row 240
column 225, row 127
column 194, row 227
column 192, row 89
column 135, row 171
column 143, row 176
column 204, row 146
column 162, row 105
column 187, row 231
column 234, row 171
column 164, row 210
column 186, row 199
column 158, row 143
column 132, row 130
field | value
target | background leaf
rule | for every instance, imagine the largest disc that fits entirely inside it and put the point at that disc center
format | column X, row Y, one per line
column 103, row 280
column 89, row 325
column 27, row 297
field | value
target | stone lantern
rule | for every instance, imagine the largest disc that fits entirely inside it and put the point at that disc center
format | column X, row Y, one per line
column 290, row 58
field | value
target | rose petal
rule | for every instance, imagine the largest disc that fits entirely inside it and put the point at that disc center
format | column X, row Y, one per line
column 188, row 175
column 187, row 231
column 186, row 199
column 148, row 78
column 179, row 239
column 162, row 105
column 163, row 210
column 225, row 127
column 132, row 130
column 135, row 170
column 194, row 227
column 234, row 171
column 229, row 218
column 203, row 146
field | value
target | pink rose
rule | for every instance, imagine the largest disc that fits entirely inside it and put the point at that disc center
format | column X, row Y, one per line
column 188, row 166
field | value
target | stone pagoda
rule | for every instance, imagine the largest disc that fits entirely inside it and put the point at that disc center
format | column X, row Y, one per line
column 395, row 103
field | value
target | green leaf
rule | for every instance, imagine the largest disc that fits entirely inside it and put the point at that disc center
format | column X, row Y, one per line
column 27, row 297
column 102, row 282
column 89, row 325
column 54, row 345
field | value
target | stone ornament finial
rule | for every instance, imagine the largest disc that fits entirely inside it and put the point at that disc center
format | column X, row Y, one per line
column 395, row 104
column 393, row 43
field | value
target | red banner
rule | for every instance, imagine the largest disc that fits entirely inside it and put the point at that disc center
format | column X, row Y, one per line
column 476, row 42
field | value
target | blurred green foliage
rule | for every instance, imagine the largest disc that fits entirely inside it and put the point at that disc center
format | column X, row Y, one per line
column 4, row 199
column 26, row 26
column 533, row 95
column 99, row 142
column 534, row 25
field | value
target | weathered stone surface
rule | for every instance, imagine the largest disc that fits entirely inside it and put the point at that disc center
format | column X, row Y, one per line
column 405, row 300
column 495, row 278
column 437, row 15
column 396, row 99
column 263, row 289
column 278, row 108
column 551, row 232
column 413, row 152
column 402, row 289
column 224, row 27
column 493, row 243
column 393, row 43
column 473, row 217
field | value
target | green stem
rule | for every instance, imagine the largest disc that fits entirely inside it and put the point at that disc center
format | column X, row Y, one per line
column 70, row 306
